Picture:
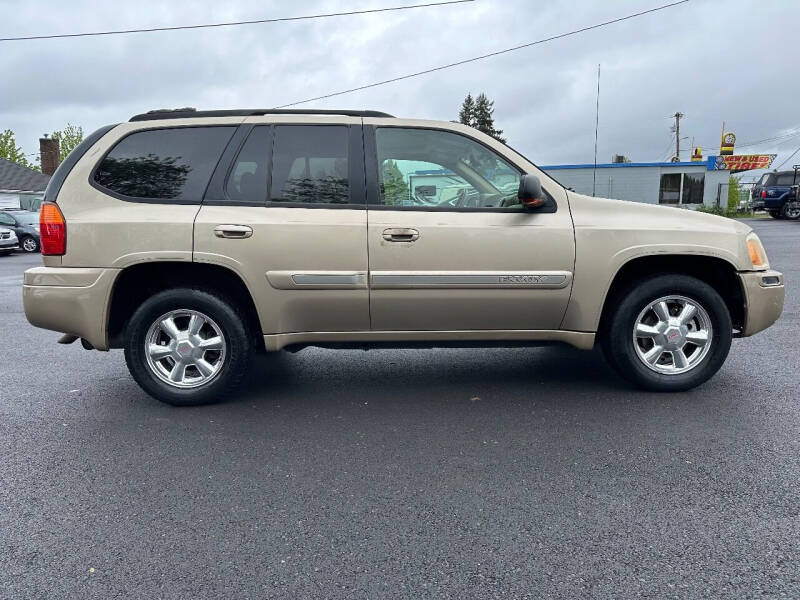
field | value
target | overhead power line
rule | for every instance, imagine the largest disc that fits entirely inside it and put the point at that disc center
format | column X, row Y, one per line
column 483, row 56
column 778, row 168
column 231, row 23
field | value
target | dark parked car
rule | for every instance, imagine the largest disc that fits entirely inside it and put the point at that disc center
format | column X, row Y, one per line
column 25, row 224
column 776, row 193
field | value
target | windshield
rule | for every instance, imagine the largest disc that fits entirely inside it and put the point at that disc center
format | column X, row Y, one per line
column 27, row 218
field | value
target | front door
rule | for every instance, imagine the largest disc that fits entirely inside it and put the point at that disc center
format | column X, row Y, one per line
column 450, row 247
column 287, row 212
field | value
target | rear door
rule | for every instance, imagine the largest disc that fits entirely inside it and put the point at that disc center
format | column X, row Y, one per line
column 286, row 210
column 450, row 246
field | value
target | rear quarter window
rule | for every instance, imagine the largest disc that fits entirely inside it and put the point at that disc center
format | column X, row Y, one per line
column 172, row 164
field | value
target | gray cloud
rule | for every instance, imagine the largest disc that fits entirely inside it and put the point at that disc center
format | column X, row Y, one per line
column 711, row 61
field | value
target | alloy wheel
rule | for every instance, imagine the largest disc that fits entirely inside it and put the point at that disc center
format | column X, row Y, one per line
column 672, row 335
column 185, row 348
column 29, row 244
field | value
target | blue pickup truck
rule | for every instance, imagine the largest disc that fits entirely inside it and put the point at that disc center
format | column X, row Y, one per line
column 777, row 193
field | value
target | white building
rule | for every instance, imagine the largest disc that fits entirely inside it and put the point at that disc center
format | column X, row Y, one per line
column 681, row 183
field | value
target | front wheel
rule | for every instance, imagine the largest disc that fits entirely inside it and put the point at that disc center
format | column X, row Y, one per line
column 187, row 347
column 669, row 333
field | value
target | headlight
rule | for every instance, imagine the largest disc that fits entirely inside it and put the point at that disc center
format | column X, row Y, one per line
column 758, row 256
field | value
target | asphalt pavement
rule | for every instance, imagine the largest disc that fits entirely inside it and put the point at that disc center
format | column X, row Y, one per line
column 489, row 473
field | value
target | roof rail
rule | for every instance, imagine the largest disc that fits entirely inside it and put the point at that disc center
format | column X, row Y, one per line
column 188, row 113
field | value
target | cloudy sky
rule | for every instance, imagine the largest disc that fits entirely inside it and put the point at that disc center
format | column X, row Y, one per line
column 735, row 61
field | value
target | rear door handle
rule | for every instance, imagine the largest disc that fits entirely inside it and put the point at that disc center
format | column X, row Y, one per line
column 236, row 232
column 400, row 234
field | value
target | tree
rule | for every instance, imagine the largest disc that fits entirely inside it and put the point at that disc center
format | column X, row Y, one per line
column 71, row 136
column 484, row 117
column 466, row 116
column 734, row 193
column 395, row 188
column 10, row 151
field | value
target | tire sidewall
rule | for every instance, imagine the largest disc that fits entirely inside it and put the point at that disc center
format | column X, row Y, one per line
column 222, row 311
column 620, row 333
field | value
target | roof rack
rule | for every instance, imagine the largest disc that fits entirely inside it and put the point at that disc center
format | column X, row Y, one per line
column 187, row 113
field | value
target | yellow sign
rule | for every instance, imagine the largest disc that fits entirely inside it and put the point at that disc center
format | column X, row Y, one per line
column 744, row 162
column 727, row 143
column 697, row 154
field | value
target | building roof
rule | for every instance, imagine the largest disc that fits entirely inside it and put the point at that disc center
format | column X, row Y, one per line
column 16, row 178
column 708, row 164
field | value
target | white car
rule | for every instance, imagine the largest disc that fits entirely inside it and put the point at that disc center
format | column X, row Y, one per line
column 8, row 241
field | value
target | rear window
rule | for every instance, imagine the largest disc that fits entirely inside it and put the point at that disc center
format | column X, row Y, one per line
column 784, row 179
column 164, row 164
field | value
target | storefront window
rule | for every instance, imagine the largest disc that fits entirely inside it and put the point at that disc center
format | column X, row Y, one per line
column 691, row 184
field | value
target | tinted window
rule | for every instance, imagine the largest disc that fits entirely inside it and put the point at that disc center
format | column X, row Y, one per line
column 6, row 220
column 165, row 164
column 309, row 164
column 669, row 191
column 784, row 179
column 424, row 168
column 248, row 177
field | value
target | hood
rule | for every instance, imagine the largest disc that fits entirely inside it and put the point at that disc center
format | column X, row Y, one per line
column 660, row 217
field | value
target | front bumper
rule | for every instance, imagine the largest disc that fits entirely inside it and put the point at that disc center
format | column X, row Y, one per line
column 5, row 246
column 763, row 299
column 70, row 300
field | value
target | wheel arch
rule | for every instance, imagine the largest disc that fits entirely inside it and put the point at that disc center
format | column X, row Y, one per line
column 137, row 282
column 717, row 272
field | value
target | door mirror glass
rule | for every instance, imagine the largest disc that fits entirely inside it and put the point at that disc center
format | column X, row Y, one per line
column 530, row 191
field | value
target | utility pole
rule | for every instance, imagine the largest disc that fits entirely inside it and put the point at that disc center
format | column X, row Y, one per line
column 677, row 128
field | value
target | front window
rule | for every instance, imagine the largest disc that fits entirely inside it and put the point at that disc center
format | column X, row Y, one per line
column 425, row 168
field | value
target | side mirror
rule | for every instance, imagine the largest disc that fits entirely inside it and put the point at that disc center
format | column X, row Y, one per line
column 530, row 192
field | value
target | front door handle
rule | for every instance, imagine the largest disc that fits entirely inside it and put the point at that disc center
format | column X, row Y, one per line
column 235, row 232
column 400, row 234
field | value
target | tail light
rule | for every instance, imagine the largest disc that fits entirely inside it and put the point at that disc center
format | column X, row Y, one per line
column 763, row 193
column 52, row 230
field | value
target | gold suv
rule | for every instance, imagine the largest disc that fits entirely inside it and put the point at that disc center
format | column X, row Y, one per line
column 195, row 239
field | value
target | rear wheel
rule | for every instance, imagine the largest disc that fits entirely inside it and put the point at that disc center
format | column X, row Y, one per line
column 791, row 211
column 670, row 333
column 188, row 347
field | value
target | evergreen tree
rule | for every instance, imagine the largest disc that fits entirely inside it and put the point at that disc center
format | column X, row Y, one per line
column 395, row 189
column 484, row 117
column 466, row 116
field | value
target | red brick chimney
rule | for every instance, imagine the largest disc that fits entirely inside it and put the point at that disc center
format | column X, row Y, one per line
column 49, row 154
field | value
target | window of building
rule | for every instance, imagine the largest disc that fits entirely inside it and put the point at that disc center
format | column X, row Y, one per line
column 169, row 164
column 429, row 168
column 693, row 186
column 681, row 188
column 247, row 181
column 670, row 189
column 309, row 164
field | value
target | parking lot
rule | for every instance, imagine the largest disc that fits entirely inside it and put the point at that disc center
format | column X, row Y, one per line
column 520, row 473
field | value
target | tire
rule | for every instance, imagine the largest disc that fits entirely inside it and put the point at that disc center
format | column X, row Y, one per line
column 29, row 244
column 633, row 332
column 790, row 213
column 207, row 375
column 775, row 214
